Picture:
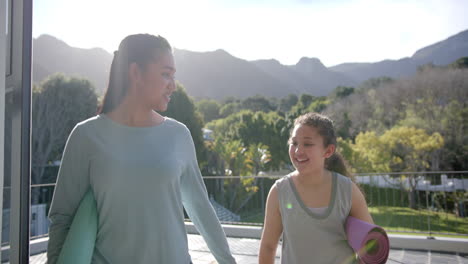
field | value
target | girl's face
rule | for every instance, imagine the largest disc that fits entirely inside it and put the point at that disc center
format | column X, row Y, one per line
column 156, row 82
column 306, row 149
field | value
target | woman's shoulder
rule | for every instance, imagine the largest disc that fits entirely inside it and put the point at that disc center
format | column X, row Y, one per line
column 171, row 122
column 85, row 126
column 176, row 126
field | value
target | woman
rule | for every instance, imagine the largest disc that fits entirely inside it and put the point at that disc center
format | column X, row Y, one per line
column 140, row 166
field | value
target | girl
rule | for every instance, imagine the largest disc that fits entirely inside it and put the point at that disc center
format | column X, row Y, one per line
column 309, row 207
column 140, row 166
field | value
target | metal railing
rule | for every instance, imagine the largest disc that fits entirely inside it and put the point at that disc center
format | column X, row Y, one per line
column 409, row 202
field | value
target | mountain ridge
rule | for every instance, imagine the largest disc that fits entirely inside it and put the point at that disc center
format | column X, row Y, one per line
column 218, row 74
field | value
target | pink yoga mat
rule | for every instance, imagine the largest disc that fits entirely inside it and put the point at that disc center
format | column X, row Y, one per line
column 369, row 241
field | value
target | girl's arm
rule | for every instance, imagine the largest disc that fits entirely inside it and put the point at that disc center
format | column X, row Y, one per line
column 359, row 208
column 272, row 228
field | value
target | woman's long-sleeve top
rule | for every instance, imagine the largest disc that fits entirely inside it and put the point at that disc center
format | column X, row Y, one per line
column 142, row 178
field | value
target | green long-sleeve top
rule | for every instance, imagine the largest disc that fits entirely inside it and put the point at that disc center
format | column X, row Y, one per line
column 142, row 178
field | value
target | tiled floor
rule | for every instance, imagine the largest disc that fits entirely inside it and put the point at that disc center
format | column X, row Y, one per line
column 246, row 252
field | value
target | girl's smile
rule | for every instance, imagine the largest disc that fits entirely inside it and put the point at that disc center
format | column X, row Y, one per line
column 306, row 149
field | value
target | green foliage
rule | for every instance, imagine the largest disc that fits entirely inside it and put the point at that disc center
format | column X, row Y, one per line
column 377, row 196
column 209, row 109
column 450, row 120
column 238, row 160
column 287, row 103
column 389, row 209
column 58, row 104
column 230, row 99
column 410, row 147
column 308, row 103
column 306, row 99
column 343, row 130
column 253, row 128
column 341, row 92
column 258, row 155
column 398, row 149
column 374, row 83
column 257, row 103
column 461, row 63
column 229, row 109
column 182, row 109
column 401, row 219
column 434, row 100
column 318, row 104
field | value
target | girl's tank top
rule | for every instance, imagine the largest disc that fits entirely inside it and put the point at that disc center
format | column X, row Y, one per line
column 309, row 237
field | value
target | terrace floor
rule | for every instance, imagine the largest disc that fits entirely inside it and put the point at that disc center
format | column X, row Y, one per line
column 245, row 250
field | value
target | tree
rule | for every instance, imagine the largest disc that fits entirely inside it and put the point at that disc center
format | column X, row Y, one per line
column 306, row 99
column 234, row 161
column 257, row 103
column 433, row 99
column 341, row 92
column 229, row 109
column 248, row 127
column 257, row 157
column 374, row 83
column 286, row 103
column 209, row 109
column 343, row 129
column 400, row 149
column 240, row 161
column 461, row 63
column 182, row 109
column 58, row 104
column 318, row 105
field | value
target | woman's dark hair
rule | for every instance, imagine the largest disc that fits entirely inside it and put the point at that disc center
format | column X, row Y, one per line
column 325, row 128
column 140, row 49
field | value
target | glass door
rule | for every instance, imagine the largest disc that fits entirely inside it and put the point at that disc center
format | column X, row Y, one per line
column 15, row 120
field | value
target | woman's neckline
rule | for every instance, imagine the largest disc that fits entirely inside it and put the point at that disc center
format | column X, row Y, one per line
column 118, row 124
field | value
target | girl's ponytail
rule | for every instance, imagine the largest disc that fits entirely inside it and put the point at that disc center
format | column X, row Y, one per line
column 337, row 163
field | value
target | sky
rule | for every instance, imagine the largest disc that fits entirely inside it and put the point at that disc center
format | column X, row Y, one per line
column 335, row 31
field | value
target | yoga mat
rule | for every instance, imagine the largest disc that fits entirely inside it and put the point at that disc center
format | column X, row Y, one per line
column 79, row 244
column 369, row 241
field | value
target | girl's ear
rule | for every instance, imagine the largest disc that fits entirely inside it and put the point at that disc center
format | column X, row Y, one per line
column 330, row 149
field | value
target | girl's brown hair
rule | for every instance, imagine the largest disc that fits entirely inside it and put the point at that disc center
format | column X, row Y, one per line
column 325, row 128
column 140, row 49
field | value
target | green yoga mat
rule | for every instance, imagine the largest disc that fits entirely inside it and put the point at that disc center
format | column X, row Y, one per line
column 79, row 244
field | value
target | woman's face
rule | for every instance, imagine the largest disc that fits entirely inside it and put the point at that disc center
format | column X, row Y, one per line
column 306, row 149
column 156, row 82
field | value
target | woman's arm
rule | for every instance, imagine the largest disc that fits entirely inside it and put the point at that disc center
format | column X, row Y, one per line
column 198, row 206
column 359, row 208
column 72, row 184
column 272, row 228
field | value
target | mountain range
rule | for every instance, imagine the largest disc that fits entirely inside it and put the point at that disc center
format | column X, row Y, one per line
column 218, row 74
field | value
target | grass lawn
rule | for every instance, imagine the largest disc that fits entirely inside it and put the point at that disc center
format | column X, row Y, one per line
column 402, row 220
